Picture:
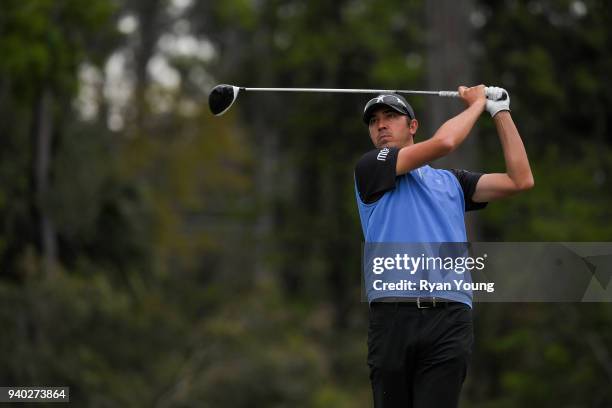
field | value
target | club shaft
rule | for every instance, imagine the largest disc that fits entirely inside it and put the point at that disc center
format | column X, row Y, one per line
column 353, row 90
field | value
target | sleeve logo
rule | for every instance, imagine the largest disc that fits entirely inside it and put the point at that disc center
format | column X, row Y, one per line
column 382, row 155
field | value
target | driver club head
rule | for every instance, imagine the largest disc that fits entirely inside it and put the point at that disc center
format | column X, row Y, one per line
column 221, row 98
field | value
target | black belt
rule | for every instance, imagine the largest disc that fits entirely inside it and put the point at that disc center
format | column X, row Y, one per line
column 419, row 302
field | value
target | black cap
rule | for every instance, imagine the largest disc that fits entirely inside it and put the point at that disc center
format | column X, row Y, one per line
column 394, row 101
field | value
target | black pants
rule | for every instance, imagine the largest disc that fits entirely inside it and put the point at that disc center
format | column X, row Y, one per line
column 418, row 358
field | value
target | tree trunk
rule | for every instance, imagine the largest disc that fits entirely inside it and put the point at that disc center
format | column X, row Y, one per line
column 149, row 29
column 42, row 136
column 450, row 65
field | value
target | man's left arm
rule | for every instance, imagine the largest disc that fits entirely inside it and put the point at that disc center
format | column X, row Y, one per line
column 517, row 177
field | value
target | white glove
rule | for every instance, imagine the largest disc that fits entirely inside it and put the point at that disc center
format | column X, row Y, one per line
column 498, row 100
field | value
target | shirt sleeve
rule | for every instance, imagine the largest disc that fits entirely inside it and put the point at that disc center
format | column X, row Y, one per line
column 375, row 173
column 468, row 181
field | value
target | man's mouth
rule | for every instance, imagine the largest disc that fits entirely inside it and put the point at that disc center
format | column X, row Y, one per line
column 384, row 136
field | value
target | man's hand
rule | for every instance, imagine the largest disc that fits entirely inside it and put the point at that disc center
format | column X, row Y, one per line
column 474, row 95
column 500, row 100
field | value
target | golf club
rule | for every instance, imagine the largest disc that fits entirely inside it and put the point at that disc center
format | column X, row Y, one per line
column 223, row 96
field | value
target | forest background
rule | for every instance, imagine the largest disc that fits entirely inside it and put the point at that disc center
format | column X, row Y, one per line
column 152, row 254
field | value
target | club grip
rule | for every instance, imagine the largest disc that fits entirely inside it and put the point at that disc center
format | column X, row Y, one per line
column 490, row 94
column 449, row 94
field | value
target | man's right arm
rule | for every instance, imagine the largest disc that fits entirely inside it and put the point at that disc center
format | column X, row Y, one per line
column 448, row 137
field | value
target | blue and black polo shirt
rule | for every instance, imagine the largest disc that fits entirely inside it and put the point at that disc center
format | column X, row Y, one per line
column 424, row 205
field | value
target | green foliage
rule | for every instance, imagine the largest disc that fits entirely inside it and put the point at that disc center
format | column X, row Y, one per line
column 553, row 63
column 44, row 40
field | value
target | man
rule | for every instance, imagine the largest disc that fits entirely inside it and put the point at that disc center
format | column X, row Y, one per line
column 419, row 346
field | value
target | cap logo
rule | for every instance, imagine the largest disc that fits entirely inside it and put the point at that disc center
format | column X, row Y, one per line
column 381, row 99
column 393, row 101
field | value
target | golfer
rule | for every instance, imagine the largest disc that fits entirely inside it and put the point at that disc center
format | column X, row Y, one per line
column 419, row 347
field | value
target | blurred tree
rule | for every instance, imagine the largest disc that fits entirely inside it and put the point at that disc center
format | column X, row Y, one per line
column 43, row 42
column 450, row 62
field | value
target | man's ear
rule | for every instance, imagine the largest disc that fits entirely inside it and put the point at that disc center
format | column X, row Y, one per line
column 413, row 125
